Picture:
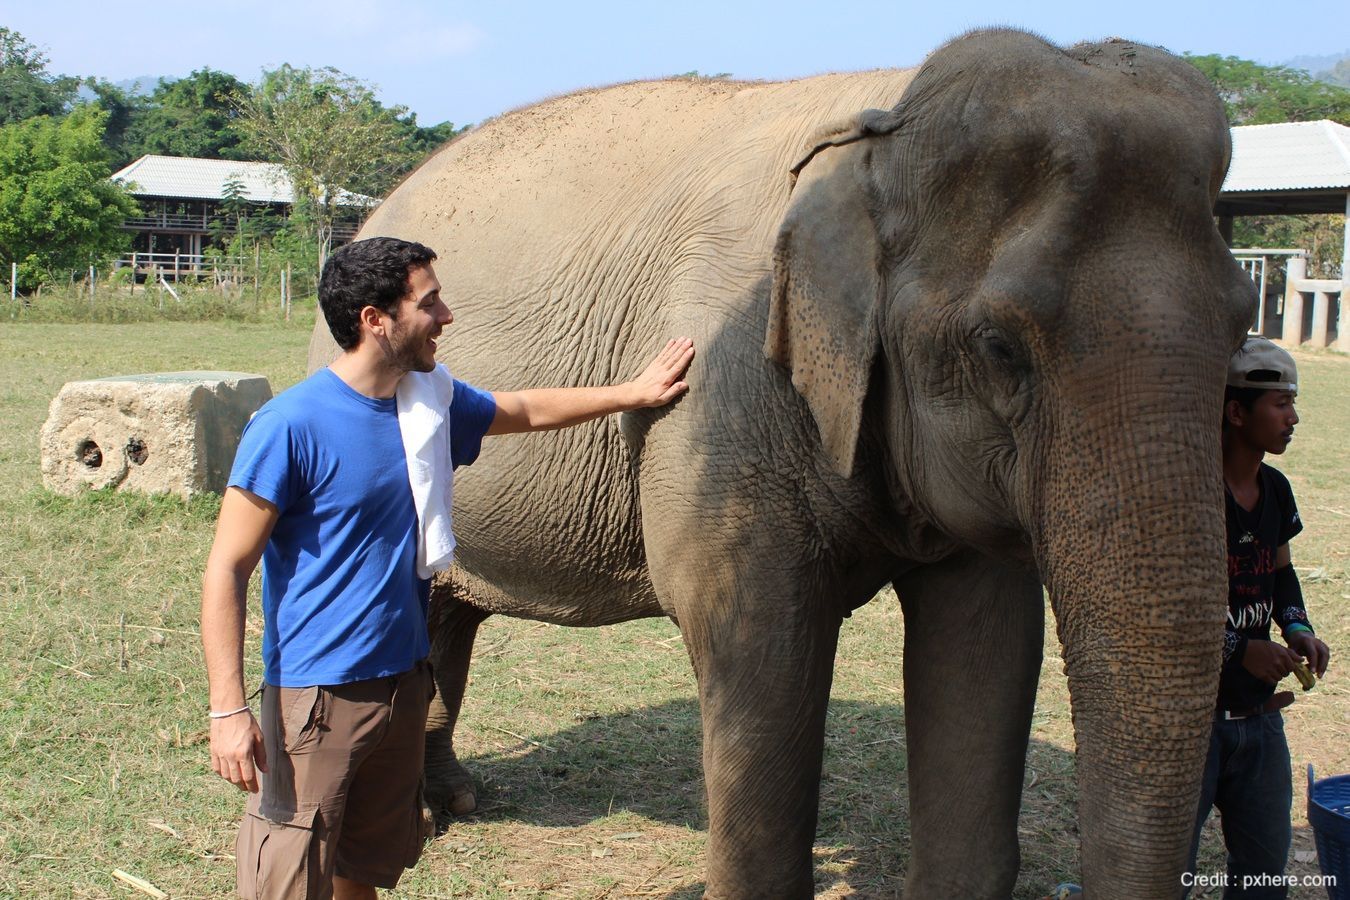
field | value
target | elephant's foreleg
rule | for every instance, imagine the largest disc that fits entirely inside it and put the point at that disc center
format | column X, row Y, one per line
column 764, row 683
column 453, row 624
column 973, row 633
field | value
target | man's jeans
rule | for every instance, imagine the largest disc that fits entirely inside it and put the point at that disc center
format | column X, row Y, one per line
column 1247, row 778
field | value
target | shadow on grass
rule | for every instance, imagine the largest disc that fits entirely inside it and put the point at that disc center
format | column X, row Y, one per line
column 648, row 762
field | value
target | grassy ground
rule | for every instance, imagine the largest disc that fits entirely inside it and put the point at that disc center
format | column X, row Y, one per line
column 586, row 741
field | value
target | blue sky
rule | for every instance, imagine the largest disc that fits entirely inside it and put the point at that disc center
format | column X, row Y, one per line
column 467, row 62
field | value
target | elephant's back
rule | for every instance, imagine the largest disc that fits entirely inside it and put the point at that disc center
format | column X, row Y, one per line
column 552, row 166
column 616, row 193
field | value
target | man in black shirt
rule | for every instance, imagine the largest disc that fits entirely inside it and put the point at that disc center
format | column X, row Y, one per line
column 1247, row 773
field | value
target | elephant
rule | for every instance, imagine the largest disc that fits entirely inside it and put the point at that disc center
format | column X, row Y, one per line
column 961, row 329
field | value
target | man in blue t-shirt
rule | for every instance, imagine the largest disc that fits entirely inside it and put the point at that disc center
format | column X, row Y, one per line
column 320, row 493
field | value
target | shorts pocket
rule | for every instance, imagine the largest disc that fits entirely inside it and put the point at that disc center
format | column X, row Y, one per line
column 278, row 858
column 301, row 716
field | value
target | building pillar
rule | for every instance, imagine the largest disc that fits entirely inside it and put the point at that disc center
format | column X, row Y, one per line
column 1321, row 305
column 1345, row 250
column 1343, row 323
column 1226, row 228
column 1295, row 270
column 1343, row 320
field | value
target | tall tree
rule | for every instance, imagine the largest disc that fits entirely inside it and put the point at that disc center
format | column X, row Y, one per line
column 1260, row 95
column 124, row 110
column 328, row 132
column 420, row 141
column 59, row 212
column 26, row 87
column 193, row 116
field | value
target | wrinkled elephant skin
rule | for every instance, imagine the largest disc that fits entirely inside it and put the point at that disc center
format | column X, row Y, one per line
column 961, row 329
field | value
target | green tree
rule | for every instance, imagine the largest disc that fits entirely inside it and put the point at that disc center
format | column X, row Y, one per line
column 26, row 88
column 59, row 212
column 1260, row 95
column 124, row 110
column 418, row 142
column 193, row 116
column 328, row 132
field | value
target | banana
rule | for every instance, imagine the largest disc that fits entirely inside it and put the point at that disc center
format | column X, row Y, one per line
column 1305, row 678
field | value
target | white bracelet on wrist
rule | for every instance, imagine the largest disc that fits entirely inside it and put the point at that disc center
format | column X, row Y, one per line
column 233, row 712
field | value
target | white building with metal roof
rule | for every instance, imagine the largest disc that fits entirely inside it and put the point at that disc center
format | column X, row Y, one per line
column 180, row 199
column 1295, row 168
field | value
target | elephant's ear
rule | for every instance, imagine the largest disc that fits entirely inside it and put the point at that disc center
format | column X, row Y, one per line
column 823, row 312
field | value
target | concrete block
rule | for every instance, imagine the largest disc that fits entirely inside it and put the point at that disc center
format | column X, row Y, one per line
column 166, row 432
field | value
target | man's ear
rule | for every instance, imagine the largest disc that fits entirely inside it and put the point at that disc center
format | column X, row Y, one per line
column 371, row 319
column 1233, row 413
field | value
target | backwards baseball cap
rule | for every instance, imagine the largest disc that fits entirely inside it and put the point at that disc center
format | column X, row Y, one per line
column 1261, row 363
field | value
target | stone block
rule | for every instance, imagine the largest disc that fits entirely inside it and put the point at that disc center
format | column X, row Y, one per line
column 166, row 432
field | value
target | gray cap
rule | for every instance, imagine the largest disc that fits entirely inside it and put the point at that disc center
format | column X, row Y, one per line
column 1262, row 356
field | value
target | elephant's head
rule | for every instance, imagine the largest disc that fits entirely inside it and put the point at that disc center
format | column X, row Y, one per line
column 1013, row 279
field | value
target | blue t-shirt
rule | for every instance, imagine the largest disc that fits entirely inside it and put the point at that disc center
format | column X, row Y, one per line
column 341, row 598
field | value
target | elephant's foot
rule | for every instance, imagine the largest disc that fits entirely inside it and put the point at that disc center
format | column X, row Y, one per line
column 463, row 794
column 451, row 793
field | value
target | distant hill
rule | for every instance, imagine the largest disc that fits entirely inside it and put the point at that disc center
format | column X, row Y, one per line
column 143, row 85
column 140, row 86
column 1333, row 68
column 1315, row 64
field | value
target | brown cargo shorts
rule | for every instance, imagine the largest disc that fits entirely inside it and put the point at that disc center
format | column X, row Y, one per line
column 342, row 791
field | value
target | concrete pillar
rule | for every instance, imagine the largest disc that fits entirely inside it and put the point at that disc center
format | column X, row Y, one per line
column 1295, row 269
column 1345, row 250
column 1343, row 322
column 1226, row 230
column 1321, row 303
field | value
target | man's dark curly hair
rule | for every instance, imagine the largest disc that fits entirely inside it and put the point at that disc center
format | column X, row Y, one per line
column 373, row 272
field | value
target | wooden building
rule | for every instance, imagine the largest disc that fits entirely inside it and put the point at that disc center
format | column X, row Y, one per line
column 182, row 199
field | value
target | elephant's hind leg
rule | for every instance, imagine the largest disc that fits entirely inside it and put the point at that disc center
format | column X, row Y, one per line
column 453, row 624
column 973, row 633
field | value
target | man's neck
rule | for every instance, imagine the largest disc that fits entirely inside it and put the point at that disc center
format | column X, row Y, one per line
column 367, row 373
column 1241, row 462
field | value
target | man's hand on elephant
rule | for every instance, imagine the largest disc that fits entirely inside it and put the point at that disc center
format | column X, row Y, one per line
column 1313, row 649
column 661, row 381
column 1268, row 660
column 237, row 752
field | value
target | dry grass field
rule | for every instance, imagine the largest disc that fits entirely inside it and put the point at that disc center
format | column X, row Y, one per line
column 586, row 742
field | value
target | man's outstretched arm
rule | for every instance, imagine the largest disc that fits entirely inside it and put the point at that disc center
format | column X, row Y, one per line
column 245, row 524
column 541, row 409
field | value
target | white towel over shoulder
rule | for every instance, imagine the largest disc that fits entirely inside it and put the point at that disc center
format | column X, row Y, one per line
column 424, row 423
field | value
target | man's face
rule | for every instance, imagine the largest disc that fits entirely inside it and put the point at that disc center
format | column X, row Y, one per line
column 1269, row 426
column 421, row 316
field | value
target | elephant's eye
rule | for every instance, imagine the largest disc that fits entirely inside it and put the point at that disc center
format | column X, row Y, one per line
column 997, row 348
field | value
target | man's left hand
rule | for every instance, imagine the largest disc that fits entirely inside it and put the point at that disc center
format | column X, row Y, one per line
column 1313, row 649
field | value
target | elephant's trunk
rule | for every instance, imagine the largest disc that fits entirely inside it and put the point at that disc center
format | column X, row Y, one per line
column 1131, row 543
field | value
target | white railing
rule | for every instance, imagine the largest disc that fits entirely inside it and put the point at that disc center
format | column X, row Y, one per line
column 1254, row 263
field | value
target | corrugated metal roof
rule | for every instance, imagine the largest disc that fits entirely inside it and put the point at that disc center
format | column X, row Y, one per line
column 205, row 179
column 1289, row 156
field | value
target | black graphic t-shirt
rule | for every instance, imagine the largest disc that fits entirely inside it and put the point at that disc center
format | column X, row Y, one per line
column 1253, row 538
